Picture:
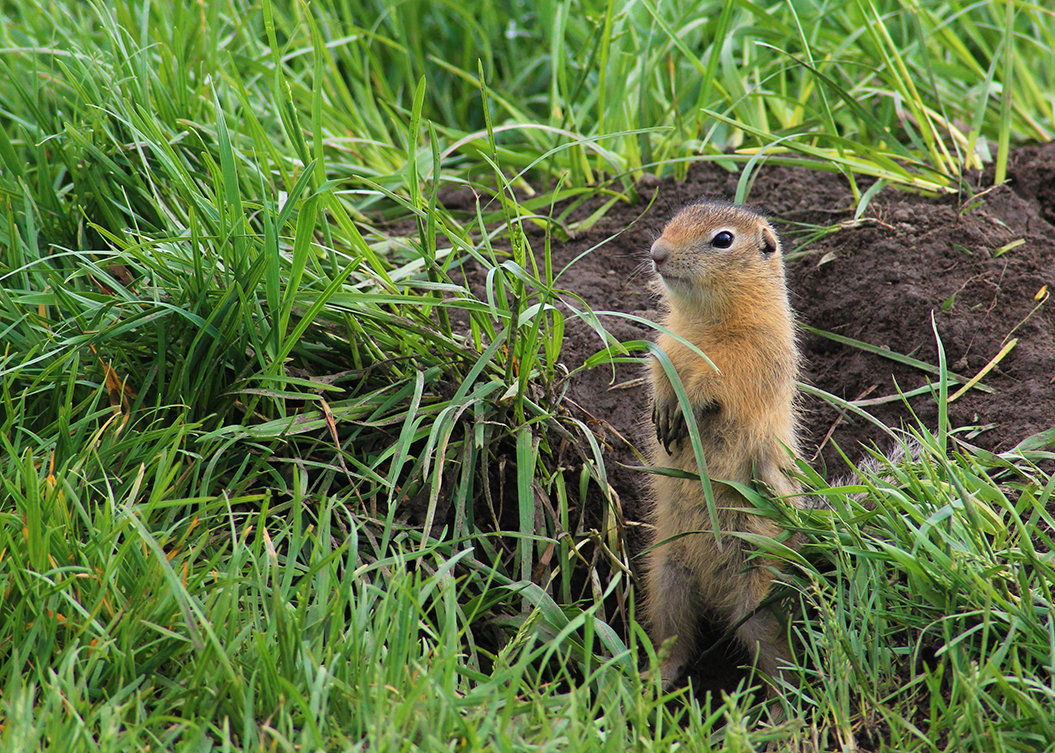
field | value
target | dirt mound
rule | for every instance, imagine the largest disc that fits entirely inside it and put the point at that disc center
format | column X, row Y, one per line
column 977, row 263
column 972, row 266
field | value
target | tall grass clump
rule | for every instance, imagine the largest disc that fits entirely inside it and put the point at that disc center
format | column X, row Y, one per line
column 210, row 335
column 912, row 94
column 195, row 261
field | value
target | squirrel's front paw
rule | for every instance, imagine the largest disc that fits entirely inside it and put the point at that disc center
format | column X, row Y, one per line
column 670, row 422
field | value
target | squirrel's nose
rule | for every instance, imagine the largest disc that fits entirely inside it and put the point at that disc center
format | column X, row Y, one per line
column 660, row 252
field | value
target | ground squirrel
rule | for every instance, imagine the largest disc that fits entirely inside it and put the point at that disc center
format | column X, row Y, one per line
column 723, row 280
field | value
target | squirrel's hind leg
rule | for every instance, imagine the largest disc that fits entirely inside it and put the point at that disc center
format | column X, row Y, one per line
column 672, row 608
column 759, row 628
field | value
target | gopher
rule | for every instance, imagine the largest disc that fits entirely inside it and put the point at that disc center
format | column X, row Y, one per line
column 722, row 277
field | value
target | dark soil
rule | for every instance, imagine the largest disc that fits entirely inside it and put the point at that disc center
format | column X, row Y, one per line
column 911, row 260
column 879, row 280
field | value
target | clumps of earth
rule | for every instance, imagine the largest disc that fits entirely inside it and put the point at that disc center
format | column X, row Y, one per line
column 976, row 268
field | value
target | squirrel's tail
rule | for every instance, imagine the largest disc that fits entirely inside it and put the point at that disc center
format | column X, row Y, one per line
column 874, row 467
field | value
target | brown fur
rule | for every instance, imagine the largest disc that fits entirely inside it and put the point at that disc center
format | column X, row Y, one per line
column 731, row 304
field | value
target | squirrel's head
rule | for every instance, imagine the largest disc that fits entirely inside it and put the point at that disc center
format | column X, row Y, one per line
column 710, row 250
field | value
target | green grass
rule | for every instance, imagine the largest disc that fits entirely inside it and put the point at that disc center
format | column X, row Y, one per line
column 927, row 623
column 259, row 436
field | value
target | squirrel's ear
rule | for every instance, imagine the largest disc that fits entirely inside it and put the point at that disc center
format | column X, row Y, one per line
column 769, row 241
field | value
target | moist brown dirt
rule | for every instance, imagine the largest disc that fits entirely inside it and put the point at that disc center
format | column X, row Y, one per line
column 971, row 266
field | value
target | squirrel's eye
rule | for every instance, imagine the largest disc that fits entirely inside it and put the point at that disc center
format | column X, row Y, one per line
column 723, row 239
